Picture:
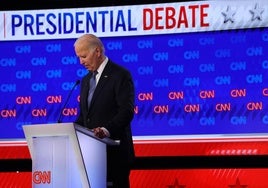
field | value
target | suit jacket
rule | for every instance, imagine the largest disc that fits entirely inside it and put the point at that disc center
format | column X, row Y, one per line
column 112, row 107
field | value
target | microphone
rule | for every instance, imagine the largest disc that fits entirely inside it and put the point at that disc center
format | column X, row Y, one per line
column 67, row 100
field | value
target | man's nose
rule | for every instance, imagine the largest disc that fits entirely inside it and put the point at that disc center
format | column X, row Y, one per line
column 82, row 62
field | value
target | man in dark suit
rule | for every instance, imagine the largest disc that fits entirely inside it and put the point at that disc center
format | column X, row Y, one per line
column 111, row 109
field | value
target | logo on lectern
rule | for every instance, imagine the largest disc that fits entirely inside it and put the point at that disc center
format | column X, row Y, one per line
column 42, row 177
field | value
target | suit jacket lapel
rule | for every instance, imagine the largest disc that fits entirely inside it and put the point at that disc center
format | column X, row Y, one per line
column 102, row 81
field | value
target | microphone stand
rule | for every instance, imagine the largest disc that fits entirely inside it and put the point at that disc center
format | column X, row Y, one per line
column 67, row 100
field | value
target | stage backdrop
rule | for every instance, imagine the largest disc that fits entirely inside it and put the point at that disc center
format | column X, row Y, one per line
column 199, row 68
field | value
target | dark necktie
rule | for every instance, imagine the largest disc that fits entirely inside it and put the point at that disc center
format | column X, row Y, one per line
column 92, row 86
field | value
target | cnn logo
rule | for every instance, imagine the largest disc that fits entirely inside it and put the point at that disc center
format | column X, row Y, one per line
column 42, row 177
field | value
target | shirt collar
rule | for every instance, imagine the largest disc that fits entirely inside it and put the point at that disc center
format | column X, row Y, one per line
column 101, row 68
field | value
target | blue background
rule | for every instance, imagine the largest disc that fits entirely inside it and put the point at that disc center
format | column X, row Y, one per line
column 188, row 63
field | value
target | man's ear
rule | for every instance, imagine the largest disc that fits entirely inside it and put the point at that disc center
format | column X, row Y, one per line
column 99, row 51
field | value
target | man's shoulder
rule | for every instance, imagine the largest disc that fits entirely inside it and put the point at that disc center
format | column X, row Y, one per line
column 117, row 67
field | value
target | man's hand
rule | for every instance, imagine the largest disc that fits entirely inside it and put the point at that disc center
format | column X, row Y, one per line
column 99, row 132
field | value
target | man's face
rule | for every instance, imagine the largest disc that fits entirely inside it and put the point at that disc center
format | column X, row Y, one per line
column 89, row 58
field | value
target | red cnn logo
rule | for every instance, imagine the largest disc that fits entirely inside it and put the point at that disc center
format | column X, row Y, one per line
column 42, row 177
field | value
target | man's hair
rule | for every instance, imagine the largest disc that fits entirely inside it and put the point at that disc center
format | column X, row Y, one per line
column 91, row 40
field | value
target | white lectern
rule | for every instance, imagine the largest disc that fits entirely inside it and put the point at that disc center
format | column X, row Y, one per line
column 66, row 155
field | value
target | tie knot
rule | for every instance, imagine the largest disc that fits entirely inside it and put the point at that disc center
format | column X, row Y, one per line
column 94, row 73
